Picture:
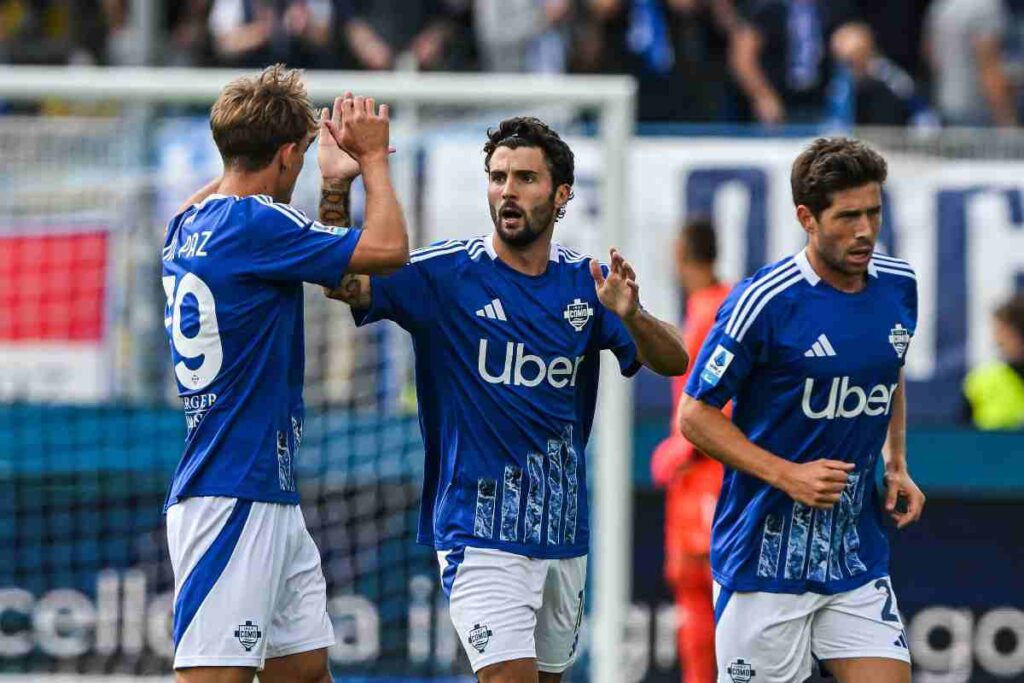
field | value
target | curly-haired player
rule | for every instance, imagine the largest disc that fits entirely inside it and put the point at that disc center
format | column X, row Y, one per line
column 508, row 330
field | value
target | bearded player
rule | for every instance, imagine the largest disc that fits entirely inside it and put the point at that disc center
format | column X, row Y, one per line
column 811, row 351
column 508, row 329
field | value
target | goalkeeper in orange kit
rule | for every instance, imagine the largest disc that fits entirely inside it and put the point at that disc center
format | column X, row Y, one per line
column 692, row 480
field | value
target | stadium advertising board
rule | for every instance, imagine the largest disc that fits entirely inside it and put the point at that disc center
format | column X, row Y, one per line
column 53, row 289
column 959, row 223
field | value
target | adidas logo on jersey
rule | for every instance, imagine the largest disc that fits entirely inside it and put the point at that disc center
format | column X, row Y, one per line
column 493, row 310
column 847, row 401
column 524, row 369
column 821, row 348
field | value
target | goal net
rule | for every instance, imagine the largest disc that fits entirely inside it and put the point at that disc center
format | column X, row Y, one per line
column 89, row 421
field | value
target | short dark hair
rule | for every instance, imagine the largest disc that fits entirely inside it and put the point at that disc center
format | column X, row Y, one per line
column 527, row 131
column 1012, row 313
column 700, row 241
column 254, row 116
column 831, row 165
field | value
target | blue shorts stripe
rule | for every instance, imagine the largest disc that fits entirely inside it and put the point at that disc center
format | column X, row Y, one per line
column 209, row 568
column 452, row 561
column 724, row 595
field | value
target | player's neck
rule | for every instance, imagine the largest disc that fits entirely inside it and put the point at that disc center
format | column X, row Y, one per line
column 844, row 282
column 529, row 260
column 247, row 184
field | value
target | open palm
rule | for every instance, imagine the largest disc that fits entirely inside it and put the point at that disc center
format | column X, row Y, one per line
column 618, row 291
column 334, row 161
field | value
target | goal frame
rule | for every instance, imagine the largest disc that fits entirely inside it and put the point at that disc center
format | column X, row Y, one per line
column 613, row 98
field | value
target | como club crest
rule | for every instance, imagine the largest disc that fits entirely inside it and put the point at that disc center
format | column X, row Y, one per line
column 248, row 635
column 899, row 337
column 578, row 313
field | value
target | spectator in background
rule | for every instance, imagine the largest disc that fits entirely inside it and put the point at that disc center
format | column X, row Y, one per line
column 692, row 480
column 380, row 33
column 963, row 45
column 255, row 33
column 522, row 36
column 995, row 391
column 188, row 38
column 883, row 93
column 781, row 56
column 897, row 28
column 52, row 32
column 677, row 49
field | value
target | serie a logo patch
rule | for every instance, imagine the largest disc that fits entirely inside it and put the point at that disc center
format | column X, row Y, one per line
column 716, row 365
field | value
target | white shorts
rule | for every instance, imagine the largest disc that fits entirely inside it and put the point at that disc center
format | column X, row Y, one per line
column 774, row 636
column 247, row 583
column 506, row 606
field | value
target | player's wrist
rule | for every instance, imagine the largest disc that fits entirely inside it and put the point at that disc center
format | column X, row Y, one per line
column 374, row 158
column 339, row 183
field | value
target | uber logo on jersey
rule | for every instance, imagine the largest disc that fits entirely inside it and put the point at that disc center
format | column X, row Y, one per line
column 716, row 366
column 523, row 369
column 848, row 400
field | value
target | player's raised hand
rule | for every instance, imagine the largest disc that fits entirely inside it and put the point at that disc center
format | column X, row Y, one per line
column 899, row 486
column 365, row 131
column 618, row 292
column 335, row 163
column 818, row 483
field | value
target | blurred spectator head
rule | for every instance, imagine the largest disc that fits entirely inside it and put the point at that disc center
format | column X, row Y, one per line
column 258, row 119
column 831, row 165
column 527, row 131
column 1008, row 329
column 696, row 253
column 854, row 45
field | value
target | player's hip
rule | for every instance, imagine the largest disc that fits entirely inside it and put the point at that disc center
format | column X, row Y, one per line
column 247, row 582
column 506, row 606
column 778, row 635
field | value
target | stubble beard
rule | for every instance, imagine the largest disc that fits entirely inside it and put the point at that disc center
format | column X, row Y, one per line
column 534, row 224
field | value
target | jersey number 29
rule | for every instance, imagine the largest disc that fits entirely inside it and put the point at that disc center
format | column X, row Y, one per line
column 205, row 343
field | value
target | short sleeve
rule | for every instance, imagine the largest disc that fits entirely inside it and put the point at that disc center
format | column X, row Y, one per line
column 288, row 246
column 732, row 348
column 408, row 296
column 613, row 335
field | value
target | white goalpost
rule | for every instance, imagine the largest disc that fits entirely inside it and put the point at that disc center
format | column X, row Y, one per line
column 612, row 99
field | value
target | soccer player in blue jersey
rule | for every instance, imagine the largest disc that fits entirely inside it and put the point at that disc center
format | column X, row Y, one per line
column 811, row 351
column 249, row 591
column 508, row 330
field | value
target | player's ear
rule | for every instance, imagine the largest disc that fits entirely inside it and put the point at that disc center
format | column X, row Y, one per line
column 807, row 219
column 285, row 155
column 562, row 195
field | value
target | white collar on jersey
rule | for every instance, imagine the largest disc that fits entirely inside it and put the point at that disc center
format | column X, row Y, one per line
column 804, row 265
column 489, row 246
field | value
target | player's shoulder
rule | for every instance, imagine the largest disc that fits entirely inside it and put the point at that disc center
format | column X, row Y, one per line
column 263, row 210
column 761, row 295
column 576, row 263
column 448, row 254
column 892, row 270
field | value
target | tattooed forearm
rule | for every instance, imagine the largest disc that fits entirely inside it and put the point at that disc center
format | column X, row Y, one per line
column 353, row 290
column 334, row 202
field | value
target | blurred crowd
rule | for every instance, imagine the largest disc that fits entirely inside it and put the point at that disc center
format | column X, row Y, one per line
column 904, row 62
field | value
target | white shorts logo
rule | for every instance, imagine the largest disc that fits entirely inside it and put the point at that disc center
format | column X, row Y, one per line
column 740, row 672
column 716, row 366
column 479, row 636
column 248, row 635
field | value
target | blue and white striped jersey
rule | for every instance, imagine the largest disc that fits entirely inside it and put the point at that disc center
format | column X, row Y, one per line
column 811, row 372
column 233, row 270
column 506, row 377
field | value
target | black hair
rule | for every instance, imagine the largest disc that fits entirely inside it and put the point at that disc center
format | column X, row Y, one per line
column 527, row 131
column 831, row 165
